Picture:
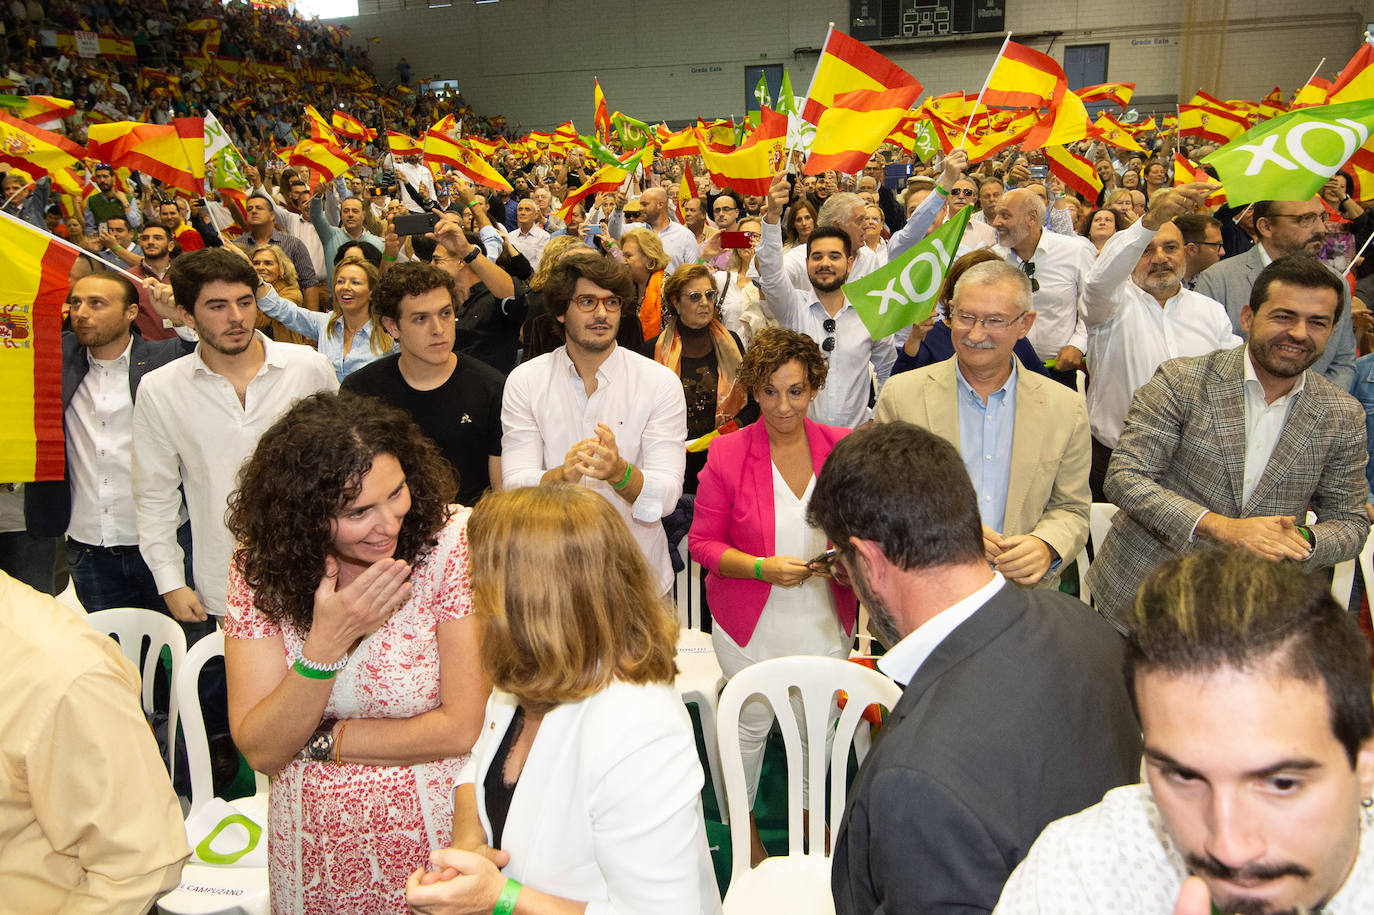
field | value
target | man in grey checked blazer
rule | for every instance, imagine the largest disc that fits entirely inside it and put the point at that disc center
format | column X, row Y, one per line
column 1233, row 447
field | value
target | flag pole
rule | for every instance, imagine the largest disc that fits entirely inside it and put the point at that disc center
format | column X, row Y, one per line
column 1358, row 254
column 137, row 280
column 969, row 121
column 1314, row 73
column 1248, row 207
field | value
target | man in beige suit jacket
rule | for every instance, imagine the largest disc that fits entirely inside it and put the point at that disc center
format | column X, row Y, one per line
column 1029, row 464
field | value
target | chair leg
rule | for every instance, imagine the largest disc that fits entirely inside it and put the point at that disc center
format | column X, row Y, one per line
column 707, row 713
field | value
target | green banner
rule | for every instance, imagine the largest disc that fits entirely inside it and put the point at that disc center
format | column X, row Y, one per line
column 761, row 92
column 1291, row 156
column 905, row 291
column 926, row 145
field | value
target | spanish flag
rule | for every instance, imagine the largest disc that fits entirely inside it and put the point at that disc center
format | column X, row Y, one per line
column 1356, row 81
column 320, row 156
column 847, row 65
column 1077, row 173
column 1271, row 106
column 1116, row 93
column 1113, row 133
column 1065, row 122
column 685, row 191
column 320, row 129
column 682, row 143
column 1213, row 124
column 1186, row 173
column 445, row 150
column 403, row 145
column 483, row 147
column 33, row 288
column 607, row 178
column 1314, row 93
column 345, row 125
column 22, row 145
column 855, row 124
column 1025, row 78
column 36, row 109
column 601, row 116
column 173, row 153
column 750, row 169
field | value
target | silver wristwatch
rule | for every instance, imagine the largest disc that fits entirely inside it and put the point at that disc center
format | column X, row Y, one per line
column 320, row 746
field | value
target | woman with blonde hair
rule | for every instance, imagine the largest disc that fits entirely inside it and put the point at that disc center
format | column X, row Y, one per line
column 644, row 255
column 347, row 334
column 738, row 294
column 584, row 788
column 276, row 270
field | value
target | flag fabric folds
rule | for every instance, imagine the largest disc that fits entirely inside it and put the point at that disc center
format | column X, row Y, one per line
column 1291, row 156
column 601, row 116
column 1116, row 93
column 1077, row 173
column 33, row 288
column 686, row 190
column 346, row 125
column 1356, row 81
column 847, row 65
column 22, row 145
column 403, row 145
column 439, row 148
column 855, row 125
column 36, row 109
column 1210, row 123
column 1025, row 78
column 607, row 178
column 173, row 153
column 320, row 156
column 905, row 291
column 750, row 169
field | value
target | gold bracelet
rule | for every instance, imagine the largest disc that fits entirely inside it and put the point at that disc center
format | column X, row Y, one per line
column 338, row 741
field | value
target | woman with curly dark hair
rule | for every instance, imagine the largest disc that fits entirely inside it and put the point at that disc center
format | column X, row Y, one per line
column 352, row 661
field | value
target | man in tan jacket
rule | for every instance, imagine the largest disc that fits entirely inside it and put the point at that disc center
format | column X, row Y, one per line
column 1024, row 439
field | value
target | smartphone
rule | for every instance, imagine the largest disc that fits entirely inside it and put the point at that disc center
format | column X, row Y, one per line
column 823, row 561
column 593, row 230
column 1039, row 172
column 104, row 227
column 736, row 240
column 375, row 191
column 415, row 223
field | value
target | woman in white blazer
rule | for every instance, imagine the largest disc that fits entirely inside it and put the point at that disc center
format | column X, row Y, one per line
column 584, row 787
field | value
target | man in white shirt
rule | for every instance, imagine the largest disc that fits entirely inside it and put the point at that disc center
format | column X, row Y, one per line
column 528, row 238
column 847, row 212
column 412, row 172
column 823, row 313
column 678, row 241
column 1001, row 686
column 197, row 419
column 1057, row 265
column 1252, row 687
column 594, row 413
column 1138, row 315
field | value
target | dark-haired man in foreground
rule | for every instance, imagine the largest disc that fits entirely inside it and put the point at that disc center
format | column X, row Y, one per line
column 1013, row 713
column 1252, row 687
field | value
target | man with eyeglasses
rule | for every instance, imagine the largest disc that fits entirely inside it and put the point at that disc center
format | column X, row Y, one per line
column 1232, row 448
column 822, row 312
column 1057, row 266
column 598, row 414
column 1283, row 227
column 1023, row 438
column 1139, row 315
column 1202, row 244
column 964, row 193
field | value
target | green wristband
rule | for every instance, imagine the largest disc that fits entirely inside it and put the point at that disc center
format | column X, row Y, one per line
column 505, row 903
column 311, row 672
column 758, row 568
column 629, row 471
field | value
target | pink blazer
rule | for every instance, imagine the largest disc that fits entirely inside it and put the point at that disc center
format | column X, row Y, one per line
column 734, row 509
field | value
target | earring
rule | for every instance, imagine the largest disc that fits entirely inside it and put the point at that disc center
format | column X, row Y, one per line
column 1367, row 802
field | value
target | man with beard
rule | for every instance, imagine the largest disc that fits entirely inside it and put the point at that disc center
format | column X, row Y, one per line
column 1231, row 448
column 1058, row 266
column 262, row 230
column 1139, row 314
column 822, row 312
column 1013, row 711
column 597, row 414
column 350, row 229
column 1283, row 227
column 1252, row 688
column 156, row 243
column 107, row 203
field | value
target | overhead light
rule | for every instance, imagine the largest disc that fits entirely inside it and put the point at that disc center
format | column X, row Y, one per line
column 480, row 2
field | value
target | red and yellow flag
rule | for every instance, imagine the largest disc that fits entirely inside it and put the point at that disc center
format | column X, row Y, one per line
column 1356, row 81
column 682, row 143
column 1116, row 93
column 33, row 288
column 856, row 124
column 346, row 125
column 1314, row 93
column 320, row 156
column 1186, row 173
column 1271, row 106
column 1113, row 133
column 320, row 129
column 403, row 145
column 1066, row 122
column 847, row 65
column 22, row 145
column 750, row 169
column 686, row 191
column 443, row 149
column 1025, row 78
column 601, row 116
column 1213, row 124
column 40, row 109
column 173, row 153
column 607, row 178
column 1077, row 173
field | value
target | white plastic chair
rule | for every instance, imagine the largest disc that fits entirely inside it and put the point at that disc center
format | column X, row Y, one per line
column 1366, row 561
column 699, row 680
column 1100, row 516
column 69, row 599
column 204, row 889
column 1343, row 573
column 132, row 627
column 798, row 882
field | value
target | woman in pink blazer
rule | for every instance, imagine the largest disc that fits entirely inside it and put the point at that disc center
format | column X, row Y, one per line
column 750, row 533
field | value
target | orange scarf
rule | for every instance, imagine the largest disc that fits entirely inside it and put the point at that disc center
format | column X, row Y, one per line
column 730, row 395
column 651, row 309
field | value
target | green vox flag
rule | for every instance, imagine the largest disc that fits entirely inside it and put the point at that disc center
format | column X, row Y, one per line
column 761, row 92
column 904, row 292
column 926, row 144
column 632, row 132
column 600, row 151
column 787, row 102
column 1291, row 156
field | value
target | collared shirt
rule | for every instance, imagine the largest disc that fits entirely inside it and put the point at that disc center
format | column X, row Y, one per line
column 1129, row 335
column 1061, row 265
column 904, row 660
column 678, row 241
column 985, row 435
column 191, row 430
column 866, row 260
column 79, row 835
column 546, row 410
column 844, row 399
column 328, row 340
column 110, row 257
column 1117, row 857
column 99, row 427
column 299, row 254
column 531, row 243
column 1263, row 423
column 112, row 208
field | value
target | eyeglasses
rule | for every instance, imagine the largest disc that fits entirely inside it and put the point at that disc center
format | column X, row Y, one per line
column 965, row 321
column 1028, row 268
column 726, row 209
column 589, row 302
column 753, row 236
column 1302, row 219
column 963, row 192
column 828, row 325
column 695, row 297
column 1211, row 244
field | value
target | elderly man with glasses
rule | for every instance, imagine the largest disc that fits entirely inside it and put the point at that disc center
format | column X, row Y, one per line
column 1023, row 438
column 1283, row 227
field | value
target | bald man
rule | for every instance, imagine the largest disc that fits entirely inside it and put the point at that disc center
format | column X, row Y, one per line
column 678, row 240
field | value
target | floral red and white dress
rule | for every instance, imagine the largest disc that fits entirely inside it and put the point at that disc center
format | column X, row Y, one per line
column 343, row 838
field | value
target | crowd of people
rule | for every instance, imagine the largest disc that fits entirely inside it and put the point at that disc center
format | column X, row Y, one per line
column 427, row 453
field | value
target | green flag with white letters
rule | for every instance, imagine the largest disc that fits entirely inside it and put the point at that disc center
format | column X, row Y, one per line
column 1291, row 156
column 904, row 292
column 761, row 92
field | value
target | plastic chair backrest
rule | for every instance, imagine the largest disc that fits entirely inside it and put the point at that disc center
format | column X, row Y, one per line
column 817, row 680
column 134, row 628
column 193, row 720
column 1099, row 522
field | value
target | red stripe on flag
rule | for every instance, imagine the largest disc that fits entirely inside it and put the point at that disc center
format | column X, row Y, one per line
column 51, row 454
